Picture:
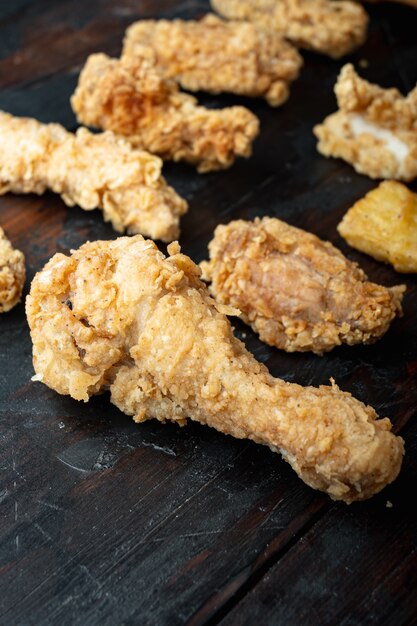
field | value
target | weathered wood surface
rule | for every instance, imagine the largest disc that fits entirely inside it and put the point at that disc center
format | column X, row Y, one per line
column 105, row 522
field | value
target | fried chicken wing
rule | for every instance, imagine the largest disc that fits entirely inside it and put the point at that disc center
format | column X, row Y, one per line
column 216, row 56
column 118, row 315
column 130, row 97
column 375, row 129
column 93, row 171
column 12, row 274
column 298, row 292
column 330, row 27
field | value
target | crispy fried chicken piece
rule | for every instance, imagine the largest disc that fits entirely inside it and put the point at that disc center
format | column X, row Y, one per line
column 12, row 274
column 330, row 27
column 375, row 129
column 216, row 56
column 93, row 171
column 130, row 97
column 298, row 292
column 118, row 315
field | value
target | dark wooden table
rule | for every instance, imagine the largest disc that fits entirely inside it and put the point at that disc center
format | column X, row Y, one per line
column 106, row 522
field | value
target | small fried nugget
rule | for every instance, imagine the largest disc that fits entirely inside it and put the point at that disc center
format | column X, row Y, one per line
column 384, row 225
column 298, row 292
column 375, row 129
column 332, row 27
column 217, row 56
column 119, row 316
column 130, row 97
column 12, row 274
column 93, row 171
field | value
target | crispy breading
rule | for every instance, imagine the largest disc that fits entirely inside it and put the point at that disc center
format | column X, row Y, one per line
column 217, row 56
column 384, row 225
column 130, row 97
column 118, row 315
column 375, row 129
column 298, row 292
column 330, row 27
column 12, row 274
column 93, row 171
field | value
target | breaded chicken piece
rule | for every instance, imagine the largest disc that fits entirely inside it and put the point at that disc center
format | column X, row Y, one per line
column 93, row 171
column 298, row 292
column 332, row 27
column 130, row 97
column 217, row 56
column 375, row 129
column 12, row 274
column 118, row 315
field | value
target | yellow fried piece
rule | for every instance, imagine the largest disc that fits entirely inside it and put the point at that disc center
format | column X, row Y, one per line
column 330, row 27
column 130, row 97
column 93, row 171
column 216, row 56
column 384, row 225
column 298, row 292
column 12, row 274
column 375, row 129
column 118, row 315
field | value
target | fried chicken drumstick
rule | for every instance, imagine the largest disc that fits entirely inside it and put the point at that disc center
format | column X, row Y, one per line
column 118, row 315
column 375, row 129
column 12, row 274
column 217, row 56
column 130, row 97
column 332, row 27
column 298, row 292
column 93, row 171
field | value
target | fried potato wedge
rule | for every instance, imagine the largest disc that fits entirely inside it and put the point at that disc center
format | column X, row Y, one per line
column 384, row 225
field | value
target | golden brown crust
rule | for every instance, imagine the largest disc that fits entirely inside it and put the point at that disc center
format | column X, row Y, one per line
column 118, row 315
column 298, row 292
column 93, row 171
column 12, row 274
column 384, row 225
column 330, row 27
column 375, row 129
column 217, row 56
column 130, row 97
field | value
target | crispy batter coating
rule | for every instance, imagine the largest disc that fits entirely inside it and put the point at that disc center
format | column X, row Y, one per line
column 216, row 56
column 298, row 292
column 118, row 315
column 384, row 225
column 375, row 129
column 330, row 27
column 93, row 171
column 12, row 274
column 130, row 97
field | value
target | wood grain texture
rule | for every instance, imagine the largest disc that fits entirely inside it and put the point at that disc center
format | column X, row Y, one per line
column 355, row 566
column 106, row 522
